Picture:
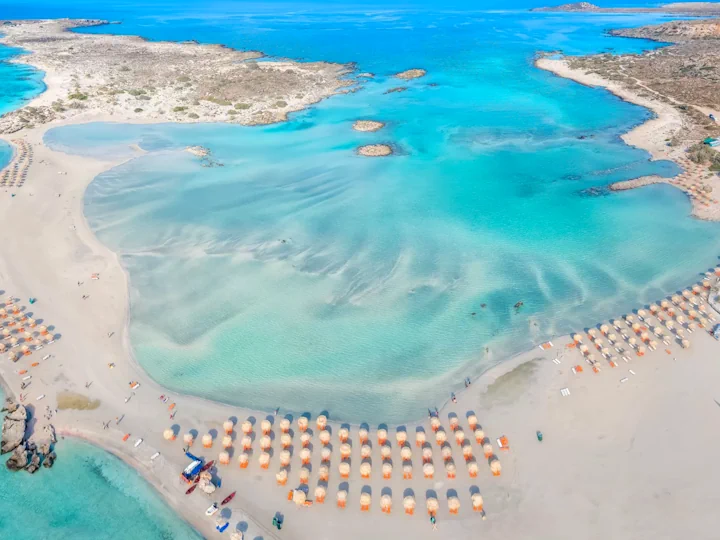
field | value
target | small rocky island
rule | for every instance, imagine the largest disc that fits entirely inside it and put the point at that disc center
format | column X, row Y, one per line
column 27, row 454
column 367, row 125
column 375, row 150
column 410, row 74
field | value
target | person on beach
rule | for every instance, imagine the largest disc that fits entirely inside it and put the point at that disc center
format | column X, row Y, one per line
column 452, row 396
column 433, row 521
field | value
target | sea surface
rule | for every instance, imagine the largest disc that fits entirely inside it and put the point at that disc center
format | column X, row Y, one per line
column 300, row 275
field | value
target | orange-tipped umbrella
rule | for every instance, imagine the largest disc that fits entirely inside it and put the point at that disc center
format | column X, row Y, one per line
column 409, row 505
column 386, row 503
column 281, row 477
column 228, row 426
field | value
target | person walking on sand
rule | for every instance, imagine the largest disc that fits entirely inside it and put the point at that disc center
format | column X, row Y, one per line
column 433, row 521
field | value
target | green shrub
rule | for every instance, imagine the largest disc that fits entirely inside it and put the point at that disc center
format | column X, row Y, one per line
column 193, row 115
column 242, row 106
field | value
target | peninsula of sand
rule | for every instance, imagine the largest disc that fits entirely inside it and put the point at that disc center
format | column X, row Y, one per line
column 579, row 438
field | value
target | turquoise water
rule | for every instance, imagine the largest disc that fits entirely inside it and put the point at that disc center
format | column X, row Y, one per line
column 87, row 495
column 304, row 276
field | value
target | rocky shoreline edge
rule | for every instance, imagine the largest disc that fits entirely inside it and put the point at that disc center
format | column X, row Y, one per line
column 28, row 453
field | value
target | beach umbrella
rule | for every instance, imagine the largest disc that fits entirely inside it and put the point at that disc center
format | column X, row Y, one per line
column 305, row 455
column 246, row 442
column 343, row 434
column 427, row 453
column 435, row 423
column 228, row 426
column 13, row 341
column 454, row 421
column 365, row 500
column 264, row 460
column 246, row 427
column 303, row 423
column 697, row 289
column 686, row 293
column 652, row 345
column 265, row 426
column 472, row 422
column 680, row 319
column 632, row 342
column 604, row 328
column 363, row 435
column 629, row 319
column 305, row 439
column 428, row 470
column 407, row 470
column 243, row 460
column 577, row 338
column 43, row 330
column 419, row 438
column 284, row 425
column 323, row 473
column 641, row 351
column 406, row 453
column 583, row 349
column 5, row 332
column 325, row 454
column 401, row 437
column 694, row 301
column 644, row 336
column 49, row 338
column 450, row 469
column 12, row 357
column 409, row 504
column 207, row 440
column 321, row 422
column 691, row 326
column 3, row 313
column 467, row 452
column 616, row 323
column 365, row 451
column 382, row 435
column 345, row 450
column 685, row 344
column 654, row 308
column 702, row 308
column 224, row 458
column 641, row 313
column 299, row 497
column 612, row 338
column 495, row 466
column 169, row 434
column 680, row 332
column 591, row 358
column 342, row 498
column 446, row 452
column 387, row 470
column 281, row 477
column 459, row 436
column 324, row 437
column 432, row 505
column 658, row 331
column 304, row 475
column 592, row 333
column 440, row 437
column 365, row 469
column 285, row 440
column 676, row 299
column 227, row 441
column 386, row 503
column 488, row 449
column 385, row 452
column 664, row 304
column 453, row 504
column 669, row 324
column 692, row 314
column 320, row 494
column 477, row 502
column 188, row 439
column 479, row 435
column 635, row 327
column 285, row 458
column 344, row 469
column 265, row 442
column 706, row 283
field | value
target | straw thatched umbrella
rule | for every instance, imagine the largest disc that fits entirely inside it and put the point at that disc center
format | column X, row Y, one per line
column 207, row 440
column 321, row 422
column 303, row 423
column 305, row 439
column 467, row 452
column 284, row 425
column 246, row 442
column 584, row 349
column 227, row 441
column 324, row 437
column 472, row 422
column 428, row 470
column 169, row 434
column 304, row 475
column 692, row 314
column 401, row 437
column 441, row 437
column 407, row 470
column 577, row 338
column 644, row 336
column 685, row 344
column 495, row 466
column 479, row 435
column 264, row 460
column 387, row 470
column 25, row 350
column 320, row 494
column 281, row 477
column 345, row 450
column 604, row 328
column 629, row 319
column 49, row 338
column 5, row 332
column 305, row 455
column 365, row 500
column 382, row 435
column 454, row 421
column 680, row 332
column 365, row 451
column 427, row 453
column 299, row 497
column 13, row 341
column 435, row 423
column 453, row 504
column 285, row 440
column 409, row 504
column 459, row 436
column 224, row 458
column 472, row 467
column 432, row 505
column 488, row 449
column 406, row 453
column 420, row 438
column 706, row 283
column 342, row 498
column 697, row 289
column 477, row 502
column 188, row 439
column 641, row 314
column 285, row 458
column 363, row 435
column 323, row 473
column 43, row 330
column 446, row 452
column 365, row 469
column 676, row 299
column 386, row 503
column 228, row 426
column 652, row 345
column 612, row 338
column 694, row 301
column 450, row 469
column 246, row 427
column 344, row 469
column 343, row 434
column 385, row 451
column 641, row 351
column 243, row 460
column 325, row 454
column 265, row 426
column 616, row 323
column 658, row 331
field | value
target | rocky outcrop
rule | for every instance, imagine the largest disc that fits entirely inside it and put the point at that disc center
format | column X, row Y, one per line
column 49, row 460
column 375, row 150
column 410, row 74
column 575, row 6
column 33, row 463
column 13, row 430
column 19, row 458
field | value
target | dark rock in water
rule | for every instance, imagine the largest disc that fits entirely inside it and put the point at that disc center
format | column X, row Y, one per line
column 571, row 177
column 49, row 460
column 50, row 432
column 44, row 448
column 19, row 459
column 395, row 90
column 594, row 192
column 34, row 463
column 10, row 406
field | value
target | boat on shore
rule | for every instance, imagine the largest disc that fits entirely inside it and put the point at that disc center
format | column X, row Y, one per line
column 191, row 489
column 207, row 466
column 228, row 498
column 212, row 509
